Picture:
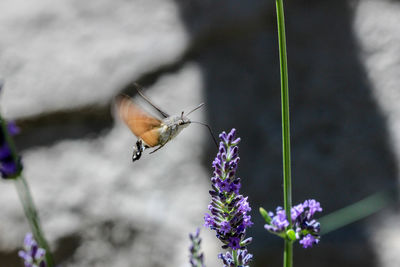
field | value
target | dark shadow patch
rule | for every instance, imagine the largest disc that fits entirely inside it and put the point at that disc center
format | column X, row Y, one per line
column 11, row 258
column 47, row 129
column 118, row 235
column 66, row 247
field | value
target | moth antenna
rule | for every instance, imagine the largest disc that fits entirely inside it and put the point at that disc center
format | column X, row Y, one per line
column 209, row 129
column 138, row 89
column 196, row 108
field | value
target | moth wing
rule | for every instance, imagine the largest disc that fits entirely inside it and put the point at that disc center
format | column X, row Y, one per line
column 139, row 122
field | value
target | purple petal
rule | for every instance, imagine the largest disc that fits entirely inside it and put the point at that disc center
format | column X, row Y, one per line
column 234, row 242
column 5, row 151
column 296, row 211
column 236, row 141
column 231, row 136
column 8, row 169
column 28, row 241
column 223, row 136
column 208, row 220
column 308, row 241
column 12, row 128
column 225, row 227
column 24, row 255
column 40, row 254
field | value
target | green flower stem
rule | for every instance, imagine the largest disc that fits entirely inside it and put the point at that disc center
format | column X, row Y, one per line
column 287, row 187
column 26, row 199
column 32, row 216
column 234, row 256
column 288, row 254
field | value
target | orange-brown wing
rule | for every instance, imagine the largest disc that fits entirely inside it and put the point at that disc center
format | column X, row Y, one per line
column 141, row 123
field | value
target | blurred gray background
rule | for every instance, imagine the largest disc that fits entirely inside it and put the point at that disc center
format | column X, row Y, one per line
column 63, row 61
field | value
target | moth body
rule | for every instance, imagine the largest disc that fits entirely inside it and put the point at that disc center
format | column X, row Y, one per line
column 171, row 127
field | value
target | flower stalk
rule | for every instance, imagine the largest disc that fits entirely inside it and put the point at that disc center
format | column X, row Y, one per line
column 287, row 186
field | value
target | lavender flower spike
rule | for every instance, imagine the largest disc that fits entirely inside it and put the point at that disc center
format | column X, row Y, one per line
column 196, row 257
column 228, row 209
column 33, row 255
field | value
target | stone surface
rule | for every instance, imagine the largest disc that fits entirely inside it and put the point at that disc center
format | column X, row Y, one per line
column 72, row 53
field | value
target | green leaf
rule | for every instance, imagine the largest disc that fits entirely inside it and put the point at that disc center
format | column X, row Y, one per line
column 265, row 215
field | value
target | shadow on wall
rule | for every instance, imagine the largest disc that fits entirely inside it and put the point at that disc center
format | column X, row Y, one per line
column 339, row 138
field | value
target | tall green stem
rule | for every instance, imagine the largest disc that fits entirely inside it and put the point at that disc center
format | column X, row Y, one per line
column 26, row 199
column 287, row 186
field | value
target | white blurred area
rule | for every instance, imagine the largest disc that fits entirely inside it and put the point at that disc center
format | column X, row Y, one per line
column 65, row 54
column 376, row 25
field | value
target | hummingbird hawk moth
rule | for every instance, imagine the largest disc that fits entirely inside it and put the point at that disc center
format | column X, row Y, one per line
column 149, row 130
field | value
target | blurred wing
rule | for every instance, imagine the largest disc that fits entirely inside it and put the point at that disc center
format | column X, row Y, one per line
column 141, row 123
column 163, row 113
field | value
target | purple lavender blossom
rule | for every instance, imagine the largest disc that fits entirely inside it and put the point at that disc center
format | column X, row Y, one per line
column 312, row 206
column 9, row 168
column 278, row 222
column 228, row 209
column 196, row 257
column 33, row 255
column 307, row 229
column 308, row 241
